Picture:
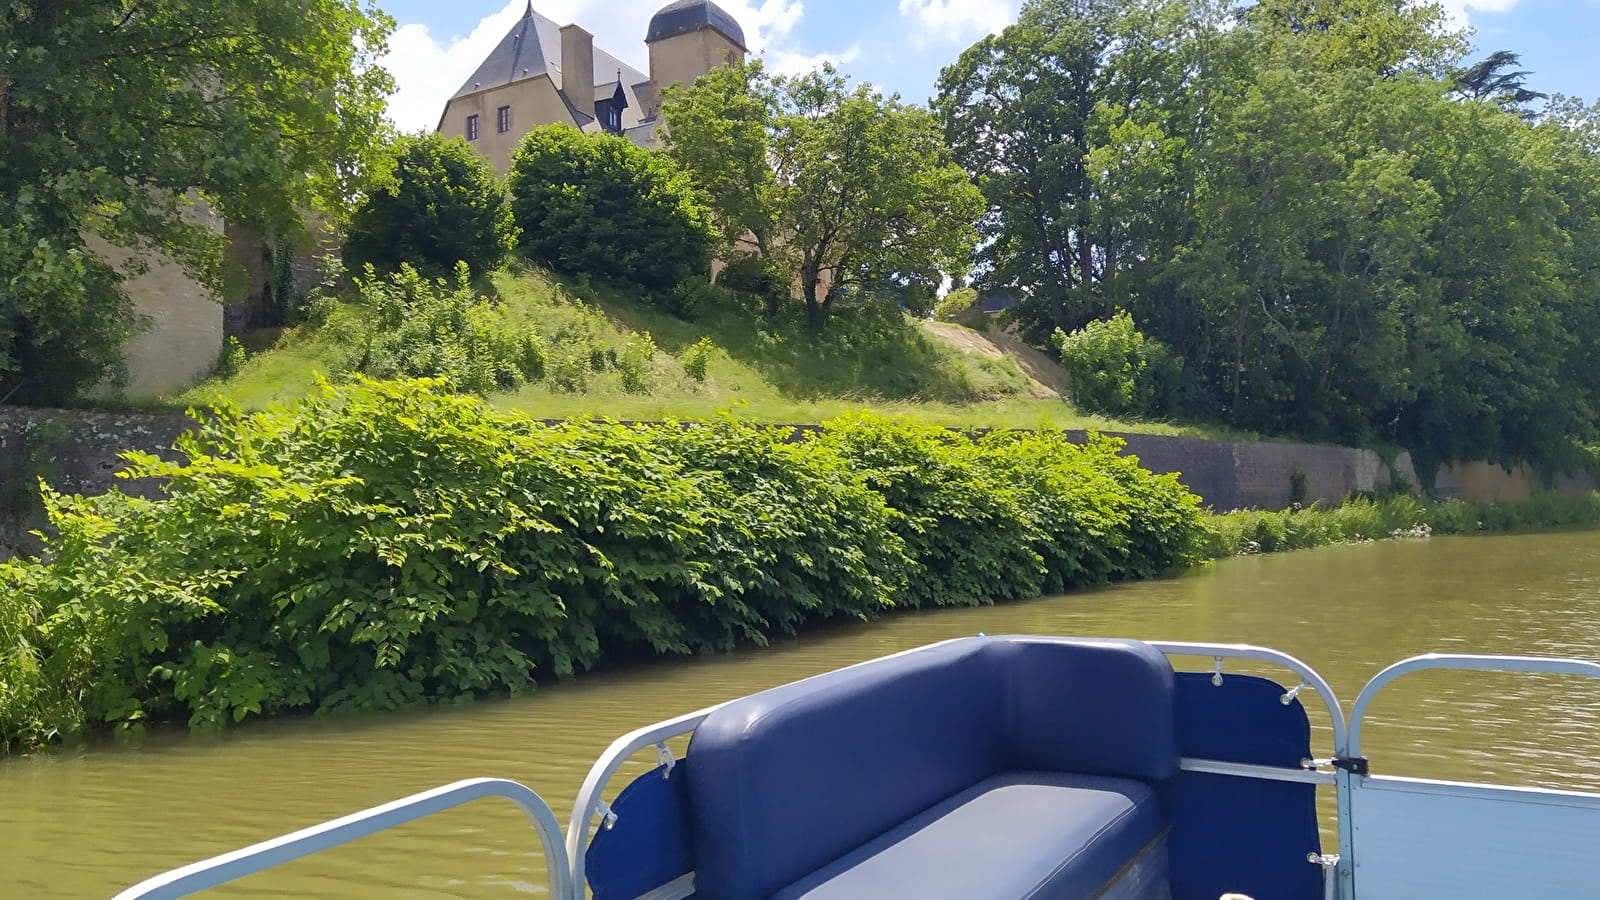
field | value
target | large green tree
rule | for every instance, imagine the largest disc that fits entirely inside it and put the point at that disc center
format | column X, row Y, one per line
column 1024, row 110
column 116, row 118
column 599, row 204
column 441, row 204
column 838, row 188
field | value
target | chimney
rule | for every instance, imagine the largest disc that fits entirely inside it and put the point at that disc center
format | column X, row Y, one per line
column 577, row 66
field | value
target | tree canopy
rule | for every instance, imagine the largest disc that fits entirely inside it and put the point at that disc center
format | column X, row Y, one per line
column 838, row 188
column 441, row 204
column 599, row 204
column 1343, row 231
column 115, row 118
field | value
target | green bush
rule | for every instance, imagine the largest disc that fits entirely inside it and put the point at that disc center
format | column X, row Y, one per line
column 1016, row 514
column 954, row 304
column 388, row 543
column 443, row 204
column 696, row 359
column 1363, row 519
column 421, row 328
column 1115, row 370
column 636, row 363
column 752, row 275
column 598, row 204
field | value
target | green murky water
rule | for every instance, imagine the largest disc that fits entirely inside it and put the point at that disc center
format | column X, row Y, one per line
column 85, row 823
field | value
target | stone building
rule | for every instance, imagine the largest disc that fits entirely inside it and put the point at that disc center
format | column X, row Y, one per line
column 542, row 73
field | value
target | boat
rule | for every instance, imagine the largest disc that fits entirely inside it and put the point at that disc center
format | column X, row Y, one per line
column 1021, row 766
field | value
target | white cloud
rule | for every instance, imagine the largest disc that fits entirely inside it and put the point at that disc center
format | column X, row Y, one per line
column 1458, row 12
column 952, row 21
column 429, row 68
column 789, row 62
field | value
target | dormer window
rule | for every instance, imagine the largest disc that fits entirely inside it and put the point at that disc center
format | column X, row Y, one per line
column 609, row 104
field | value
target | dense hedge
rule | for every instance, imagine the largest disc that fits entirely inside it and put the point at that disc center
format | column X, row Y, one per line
column 390, row 542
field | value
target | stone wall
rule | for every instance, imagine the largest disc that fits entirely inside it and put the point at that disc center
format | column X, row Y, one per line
column 76, row 452
column 1261, row 475
column 1487, row 481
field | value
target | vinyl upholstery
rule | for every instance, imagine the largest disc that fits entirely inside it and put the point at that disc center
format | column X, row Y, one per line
column 829, row 786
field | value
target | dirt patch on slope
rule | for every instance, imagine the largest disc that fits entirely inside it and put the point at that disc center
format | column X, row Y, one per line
column 1048, row 379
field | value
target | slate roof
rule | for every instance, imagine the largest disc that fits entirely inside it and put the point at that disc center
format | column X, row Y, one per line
column 532, row 48
column 685, row 16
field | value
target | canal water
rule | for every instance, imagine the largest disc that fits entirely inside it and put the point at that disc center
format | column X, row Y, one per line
column 88, row 821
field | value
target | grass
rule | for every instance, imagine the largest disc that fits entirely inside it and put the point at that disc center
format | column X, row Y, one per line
column 767, row 373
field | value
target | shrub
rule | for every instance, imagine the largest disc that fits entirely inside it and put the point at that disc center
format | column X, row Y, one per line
column 600, row 205
column 1363, row 519
column 1116, row 370
column 386, row 543
column 231, row 360
column 436, row 328
column 635, row 364
column 1016, row 514
column 954, row 304
column 751, row 275
column 696, row 359
column 442, row 205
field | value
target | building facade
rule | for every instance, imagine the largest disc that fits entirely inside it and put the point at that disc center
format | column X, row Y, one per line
column 543, row 73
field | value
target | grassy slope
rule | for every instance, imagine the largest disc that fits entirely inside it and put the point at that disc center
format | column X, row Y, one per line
column 791, row 377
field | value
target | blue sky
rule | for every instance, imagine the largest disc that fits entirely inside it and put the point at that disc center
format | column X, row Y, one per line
column 899, row 45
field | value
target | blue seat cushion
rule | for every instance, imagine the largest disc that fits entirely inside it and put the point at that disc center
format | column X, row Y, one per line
column 1013, row 836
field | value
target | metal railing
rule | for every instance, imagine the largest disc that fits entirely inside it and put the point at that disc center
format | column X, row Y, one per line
column 1338, row 880
column 590, row 803
column 258, row 857
column 1358, row 713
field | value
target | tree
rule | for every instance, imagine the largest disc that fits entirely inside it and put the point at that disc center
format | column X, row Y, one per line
column 441, row 205
column 116, row 118
column 1026, row 109
column 1497, row 79
column 844, row 191
column 599, row 204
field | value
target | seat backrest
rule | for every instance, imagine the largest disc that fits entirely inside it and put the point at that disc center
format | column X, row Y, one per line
column 789, row 779
column 1086, row 706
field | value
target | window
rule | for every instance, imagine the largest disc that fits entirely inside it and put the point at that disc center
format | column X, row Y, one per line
column 502, row 119
column 472, row 128
column 609, row 112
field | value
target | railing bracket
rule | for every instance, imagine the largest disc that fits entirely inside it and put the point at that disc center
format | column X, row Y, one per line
column 1355, row 765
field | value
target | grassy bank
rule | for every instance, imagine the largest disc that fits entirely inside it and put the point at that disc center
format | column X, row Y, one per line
column 609, row 352
column 391, row 543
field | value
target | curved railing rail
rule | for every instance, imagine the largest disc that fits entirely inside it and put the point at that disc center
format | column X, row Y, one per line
column 589, row 802
column 1307, row 675
column 1358, row 712
column 258, row 857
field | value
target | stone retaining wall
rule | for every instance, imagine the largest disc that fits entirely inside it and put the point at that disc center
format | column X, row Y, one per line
column 76, row 452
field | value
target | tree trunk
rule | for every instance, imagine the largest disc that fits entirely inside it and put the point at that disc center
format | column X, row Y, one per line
column 816, row 311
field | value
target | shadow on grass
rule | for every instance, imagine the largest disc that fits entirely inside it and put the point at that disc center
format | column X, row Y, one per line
column 867, row 352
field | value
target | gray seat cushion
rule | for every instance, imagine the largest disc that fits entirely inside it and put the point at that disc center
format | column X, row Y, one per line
column 1014, row 835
